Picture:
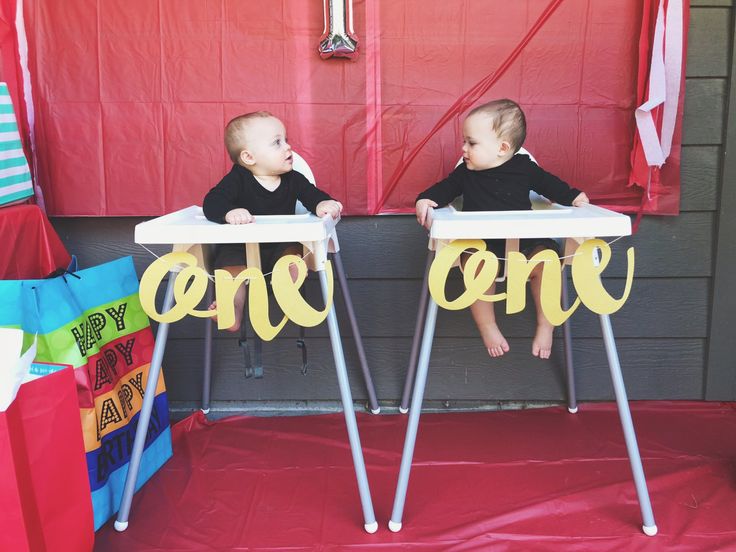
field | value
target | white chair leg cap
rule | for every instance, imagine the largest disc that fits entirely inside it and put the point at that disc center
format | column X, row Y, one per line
column 376, row 411
column 371, row 527
column 205, row 410
column 121, row 526
column 403, row 410
column 572, row 410
column 649, row 530
column 394, row 526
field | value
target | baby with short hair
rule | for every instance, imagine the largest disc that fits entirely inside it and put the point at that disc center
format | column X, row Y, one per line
column 493, row 177
column 261, row 182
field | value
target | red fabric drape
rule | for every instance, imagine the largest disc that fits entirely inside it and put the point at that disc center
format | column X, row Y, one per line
column 31, row 249
column 131, row 97
column 659, row 187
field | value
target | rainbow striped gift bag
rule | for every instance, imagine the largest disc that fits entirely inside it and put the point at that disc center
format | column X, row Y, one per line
column 93, row 320
column 15, row 176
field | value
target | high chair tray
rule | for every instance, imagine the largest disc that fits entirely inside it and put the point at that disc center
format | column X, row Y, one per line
column 551, row 221
column 189, row 225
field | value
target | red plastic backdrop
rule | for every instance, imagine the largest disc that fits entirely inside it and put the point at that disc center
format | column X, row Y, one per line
column 132, row 96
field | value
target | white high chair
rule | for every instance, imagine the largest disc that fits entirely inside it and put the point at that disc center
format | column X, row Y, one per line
column 256, row 369
column 188, row 230
column 538, row 202
column 576, row 224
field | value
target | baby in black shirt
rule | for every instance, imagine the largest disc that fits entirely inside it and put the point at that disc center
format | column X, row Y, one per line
column 261, row 182
column 493, row 178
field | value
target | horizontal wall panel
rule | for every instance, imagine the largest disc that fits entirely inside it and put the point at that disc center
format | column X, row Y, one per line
column 460, row 370
column 705, row 103
column 708, row 39
column 700, row 173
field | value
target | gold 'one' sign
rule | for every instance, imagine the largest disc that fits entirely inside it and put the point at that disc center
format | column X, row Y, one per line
column 191, row 285
column 481, row 268
column 480, row 271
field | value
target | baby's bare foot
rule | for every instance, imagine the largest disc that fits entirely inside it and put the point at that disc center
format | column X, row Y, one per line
column 542, row 344
column 494, row 340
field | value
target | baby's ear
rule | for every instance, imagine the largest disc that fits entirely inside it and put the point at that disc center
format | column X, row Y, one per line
column 246, row 158
column 505, row 148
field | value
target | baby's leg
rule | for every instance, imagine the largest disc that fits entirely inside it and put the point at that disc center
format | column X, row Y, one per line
column 485, row 319
column 542, row 343
column 238, row 300
column 293, row 250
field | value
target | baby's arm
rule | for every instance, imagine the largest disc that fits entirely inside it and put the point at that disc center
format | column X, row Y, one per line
column 440, row 194
column 581, row 199
column 221, row 201
column 424, row 216
column 554, row 188
column 239, row 216
column 329, row 207
column 315, row 200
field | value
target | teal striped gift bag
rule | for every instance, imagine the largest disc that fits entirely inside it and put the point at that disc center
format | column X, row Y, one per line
column 15, row 176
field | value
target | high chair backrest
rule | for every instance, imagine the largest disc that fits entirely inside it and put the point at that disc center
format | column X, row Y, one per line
column 300, row 165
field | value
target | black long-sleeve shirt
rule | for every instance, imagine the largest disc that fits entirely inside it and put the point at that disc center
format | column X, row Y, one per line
column 240, row 189
column 502, row 188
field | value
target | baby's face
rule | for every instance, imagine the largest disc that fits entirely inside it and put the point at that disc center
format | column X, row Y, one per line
column 482, row 147
column 267, row 143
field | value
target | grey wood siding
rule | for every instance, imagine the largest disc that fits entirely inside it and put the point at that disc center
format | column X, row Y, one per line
column 662, row 332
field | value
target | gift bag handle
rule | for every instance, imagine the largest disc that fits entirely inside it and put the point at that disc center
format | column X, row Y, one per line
column 32, row 289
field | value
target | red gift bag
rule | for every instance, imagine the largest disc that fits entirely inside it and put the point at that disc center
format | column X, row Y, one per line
column 44, row 488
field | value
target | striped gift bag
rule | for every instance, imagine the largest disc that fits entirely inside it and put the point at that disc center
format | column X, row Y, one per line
column 15, row 176
column 93, row 321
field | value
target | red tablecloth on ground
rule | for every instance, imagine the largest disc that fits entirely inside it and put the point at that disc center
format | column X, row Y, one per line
column 538, row 479
column 30, row 246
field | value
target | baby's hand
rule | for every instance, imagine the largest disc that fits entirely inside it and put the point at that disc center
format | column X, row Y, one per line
column 581, row 199
column 424, row 216
column 329, row 207
column 239, row 216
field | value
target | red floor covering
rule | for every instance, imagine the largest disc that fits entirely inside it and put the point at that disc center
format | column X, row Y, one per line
column 533, row 480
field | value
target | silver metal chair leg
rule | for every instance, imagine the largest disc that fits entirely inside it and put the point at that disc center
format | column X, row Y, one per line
column 416, row 407
column 572, row 404
column 421, row 315
column 372, row 400
column 207, row 368
column 371, row 525
column 121, row 523
column 649, row 527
